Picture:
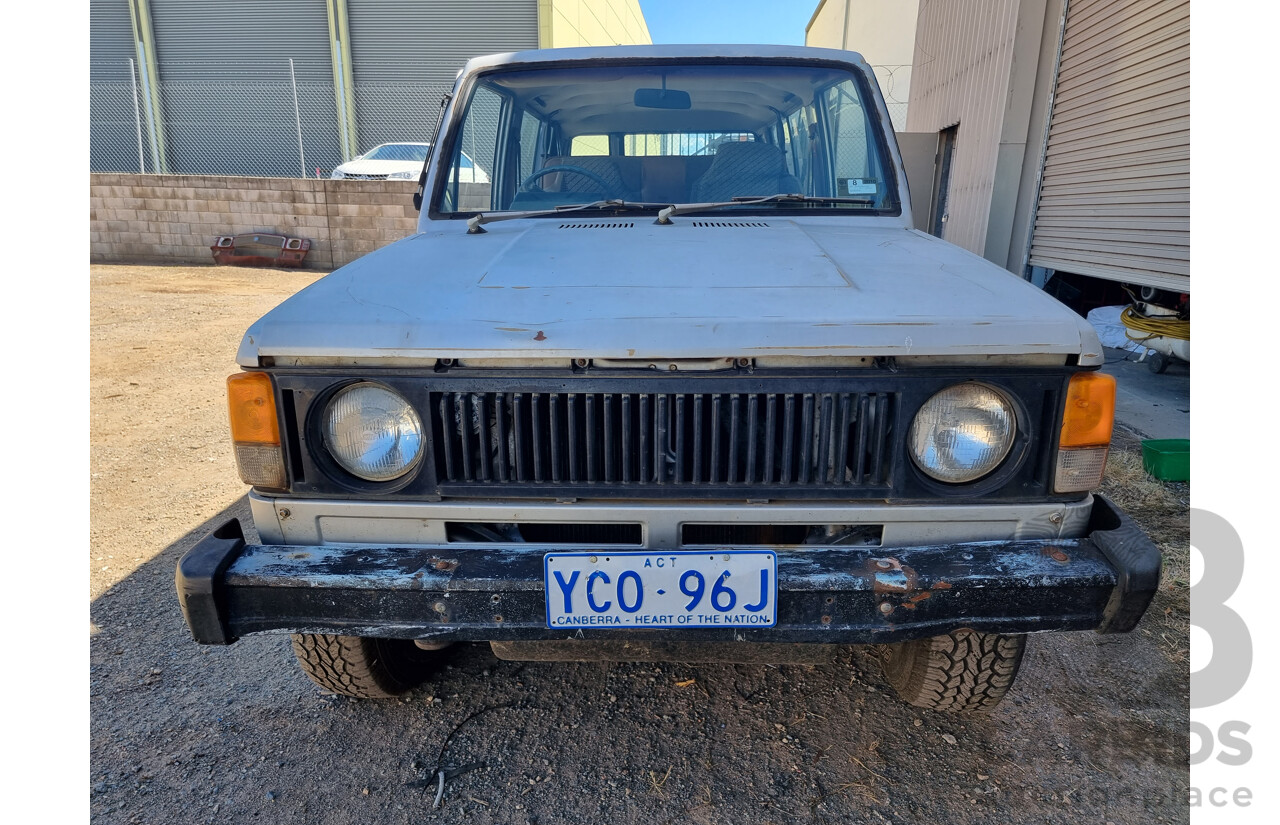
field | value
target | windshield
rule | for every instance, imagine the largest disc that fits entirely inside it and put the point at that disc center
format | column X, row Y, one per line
column 668, row 134
column 399, row 151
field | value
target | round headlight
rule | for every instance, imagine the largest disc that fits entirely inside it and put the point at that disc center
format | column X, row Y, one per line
column 373, row 432
column 962, row 433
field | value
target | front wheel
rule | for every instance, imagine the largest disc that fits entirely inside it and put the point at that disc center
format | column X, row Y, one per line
column 363, row 667
column 961, row 672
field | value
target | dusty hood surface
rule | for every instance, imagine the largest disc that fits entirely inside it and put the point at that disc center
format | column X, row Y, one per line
column 626, row 288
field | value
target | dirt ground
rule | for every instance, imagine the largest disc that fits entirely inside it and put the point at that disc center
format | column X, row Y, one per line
column 1095, row 730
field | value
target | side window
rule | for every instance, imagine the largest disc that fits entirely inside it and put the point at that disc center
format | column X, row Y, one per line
column 587, row 145
column 642, row 145
column 476, row 153
column 530, row 130
column 854, row 171
column 682, row 143
column 799, row 148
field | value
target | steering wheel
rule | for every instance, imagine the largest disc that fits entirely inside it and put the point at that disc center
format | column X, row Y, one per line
column 527, row 186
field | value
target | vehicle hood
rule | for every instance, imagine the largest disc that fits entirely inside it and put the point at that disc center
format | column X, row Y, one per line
column 627, row 288
column 379, row 167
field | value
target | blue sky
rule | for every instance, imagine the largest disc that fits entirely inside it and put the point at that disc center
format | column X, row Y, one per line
column 728, row 21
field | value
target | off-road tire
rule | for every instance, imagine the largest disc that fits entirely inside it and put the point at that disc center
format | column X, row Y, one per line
column 961, row 672
column 362, row 667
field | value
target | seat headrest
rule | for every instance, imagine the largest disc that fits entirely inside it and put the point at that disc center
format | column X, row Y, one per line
column 762, row 156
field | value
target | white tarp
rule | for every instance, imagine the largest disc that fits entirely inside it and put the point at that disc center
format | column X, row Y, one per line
column 1111, row 332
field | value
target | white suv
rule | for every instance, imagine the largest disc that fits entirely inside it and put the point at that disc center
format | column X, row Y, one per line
column 678, row 380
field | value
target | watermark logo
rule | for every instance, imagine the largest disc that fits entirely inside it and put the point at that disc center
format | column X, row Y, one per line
column 1228, row 669
column 1231, row 661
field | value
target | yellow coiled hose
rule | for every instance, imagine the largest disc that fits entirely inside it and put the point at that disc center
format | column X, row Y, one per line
column 1148, row 328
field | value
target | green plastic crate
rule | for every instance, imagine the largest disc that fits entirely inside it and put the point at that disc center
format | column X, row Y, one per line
column 1168, row 459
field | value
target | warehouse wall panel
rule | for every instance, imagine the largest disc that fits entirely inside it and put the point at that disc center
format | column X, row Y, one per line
column 961, row 71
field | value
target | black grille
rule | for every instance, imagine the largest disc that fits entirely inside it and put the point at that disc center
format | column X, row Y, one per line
column 832, row 440
column 730, row 435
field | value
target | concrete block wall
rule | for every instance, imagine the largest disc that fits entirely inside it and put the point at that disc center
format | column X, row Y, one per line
column 174, row 219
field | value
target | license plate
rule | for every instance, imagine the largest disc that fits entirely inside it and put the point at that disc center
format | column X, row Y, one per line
column 654, row 589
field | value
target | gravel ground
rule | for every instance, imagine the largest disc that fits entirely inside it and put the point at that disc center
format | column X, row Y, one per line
column 1095, row 730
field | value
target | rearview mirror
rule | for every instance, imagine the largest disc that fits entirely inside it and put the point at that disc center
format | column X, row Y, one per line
column 662, row 99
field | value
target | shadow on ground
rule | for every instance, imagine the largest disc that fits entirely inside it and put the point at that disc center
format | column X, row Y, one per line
column 1096, row 730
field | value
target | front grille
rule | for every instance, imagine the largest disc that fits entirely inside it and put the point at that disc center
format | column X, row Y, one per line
column 365, row 177
column 730, row 435
column 766, row 441
column 268, row 246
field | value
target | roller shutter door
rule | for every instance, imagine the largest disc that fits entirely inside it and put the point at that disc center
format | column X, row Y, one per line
column 1115, row 199
column 405, row 56
column 225, row 87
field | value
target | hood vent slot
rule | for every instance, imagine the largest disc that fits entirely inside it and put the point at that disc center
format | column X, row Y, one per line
column 613, row 225
column 712, row 224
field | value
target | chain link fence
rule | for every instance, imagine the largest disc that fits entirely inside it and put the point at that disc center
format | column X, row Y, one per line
column 115, row 129
column 241, row 119
column 263, row 120
column 894, row 83
column 897, row 114
column 396, row 112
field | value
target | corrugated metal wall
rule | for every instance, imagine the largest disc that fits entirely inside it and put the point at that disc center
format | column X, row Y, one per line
column 110, row 41
column 413, row 51
column 225, row 89
column 960, row 75
column 226, row 99
column 112, row 127
column 195, row 37
column 1116, row 194
column 393, row 41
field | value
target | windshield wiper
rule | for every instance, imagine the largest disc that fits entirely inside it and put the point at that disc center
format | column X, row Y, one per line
column 664, row 217
column 475, row 224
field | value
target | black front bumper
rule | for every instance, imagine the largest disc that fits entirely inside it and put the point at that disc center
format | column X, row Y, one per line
column 837, row 595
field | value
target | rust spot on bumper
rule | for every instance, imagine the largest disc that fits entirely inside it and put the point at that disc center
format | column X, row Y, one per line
column 911, row 603
column 888, row 575
column 1056, row 554
column 891, row 577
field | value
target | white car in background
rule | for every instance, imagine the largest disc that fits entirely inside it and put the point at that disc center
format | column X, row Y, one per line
column 400, row 161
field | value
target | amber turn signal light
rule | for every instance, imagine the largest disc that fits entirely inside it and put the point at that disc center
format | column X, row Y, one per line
column 255, row 430
column 252, row 406
column 1090, row 411
column 1087, row 419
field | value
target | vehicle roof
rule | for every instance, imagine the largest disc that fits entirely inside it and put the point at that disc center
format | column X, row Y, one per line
column 675, row 51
